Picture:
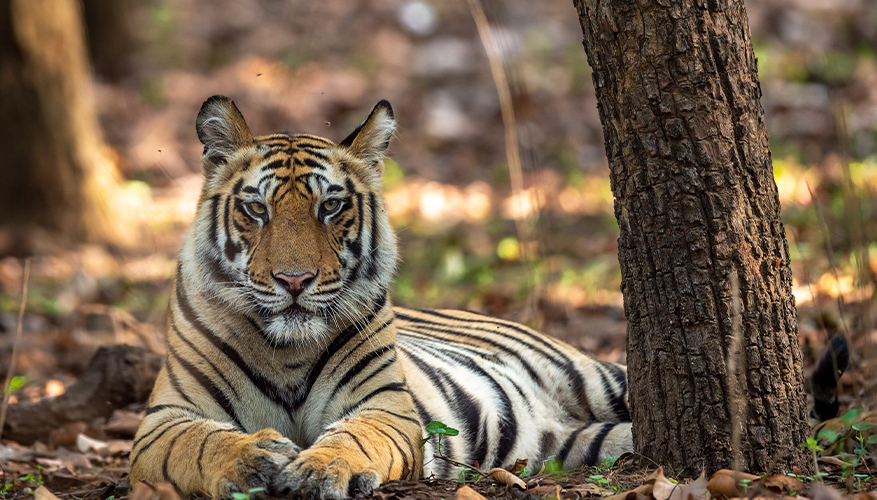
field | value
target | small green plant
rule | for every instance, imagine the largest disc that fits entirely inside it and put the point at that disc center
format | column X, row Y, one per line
column 5, row 490
column 861, row 427
column 745, row 483
column 812, row 445
column 465, row 471
column 439, row 429
column 245, row 496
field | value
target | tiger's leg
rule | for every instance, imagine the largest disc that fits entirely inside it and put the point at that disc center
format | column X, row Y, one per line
column 589, row 443
column 199, row 455
column 358, row 452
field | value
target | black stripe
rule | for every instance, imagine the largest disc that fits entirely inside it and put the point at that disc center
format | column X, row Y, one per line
column 162, row 433
column 207, row 384
column 356, row 440
column 156, row 428
column 204, row 446
column 406, row 468
column 170, row 449
column 360, row 366
column 508, row 423
column 205, row 358
column 175, row 383
column 469, row 407
column 391, row 387
column 433, row 326
column 567, row 365
column 265, row 386
column 372, row 269
column 158, row 408
column 372, row 374
column 570, row 441
column 593, row 452
column 334, row 347
column 231, row 248
column 388, row 412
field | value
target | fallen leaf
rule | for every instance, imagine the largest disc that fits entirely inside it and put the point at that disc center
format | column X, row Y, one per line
column 862, row 495
column 726, row 483
column 519, row 465
column 542, row 491
column 507, row 478
column 586, row 489
column 467, row 493
column 664, row 489
column 781, row 483
column 42, row 493
column 85, row 444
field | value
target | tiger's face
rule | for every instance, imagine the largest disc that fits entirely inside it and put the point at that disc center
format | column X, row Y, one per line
column 291, row 229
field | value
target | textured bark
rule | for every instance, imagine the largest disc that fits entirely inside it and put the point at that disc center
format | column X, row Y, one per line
column 53, row 173
column 696, row 202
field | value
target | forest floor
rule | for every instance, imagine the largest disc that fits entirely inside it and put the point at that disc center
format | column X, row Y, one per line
column 318, row 67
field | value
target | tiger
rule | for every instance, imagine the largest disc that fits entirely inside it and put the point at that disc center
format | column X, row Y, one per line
column 289, row 369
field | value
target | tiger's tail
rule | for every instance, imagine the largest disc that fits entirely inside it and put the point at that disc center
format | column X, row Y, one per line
column 823, row 382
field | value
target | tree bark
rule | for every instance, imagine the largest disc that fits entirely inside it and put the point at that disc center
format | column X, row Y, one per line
column 697, row 204
column 54, row 173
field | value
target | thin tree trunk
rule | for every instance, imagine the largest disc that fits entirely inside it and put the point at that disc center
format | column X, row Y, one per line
column 54, row 173
column 696, row 203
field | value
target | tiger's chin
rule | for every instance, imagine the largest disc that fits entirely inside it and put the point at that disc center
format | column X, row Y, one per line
column 295, row 326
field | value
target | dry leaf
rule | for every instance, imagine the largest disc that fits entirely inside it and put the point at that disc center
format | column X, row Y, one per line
column 42, row 493
column 505, row 477
column 85, row 444
column 467, row 493
column 542, row 491
column 586, row 489
column 781, row 483
column 725, row 483
column 644, row 490
column 862, row 495
column 519, row 465
column 664, row 489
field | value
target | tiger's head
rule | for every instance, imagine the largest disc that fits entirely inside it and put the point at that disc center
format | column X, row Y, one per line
column 291, row 229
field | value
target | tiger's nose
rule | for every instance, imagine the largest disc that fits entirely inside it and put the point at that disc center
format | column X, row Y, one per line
column 294, row 283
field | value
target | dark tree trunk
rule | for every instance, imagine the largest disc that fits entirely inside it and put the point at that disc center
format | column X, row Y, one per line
column 696, row 202
column 53, row 173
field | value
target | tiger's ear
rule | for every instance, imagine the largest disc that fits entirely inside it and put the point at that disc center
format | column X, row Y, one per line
column 222, row 130
column 371, row 138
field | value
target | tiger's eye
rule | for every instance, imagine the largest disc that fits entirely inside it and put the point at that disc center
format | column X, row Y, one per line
column 330, row 205
column 257, row 208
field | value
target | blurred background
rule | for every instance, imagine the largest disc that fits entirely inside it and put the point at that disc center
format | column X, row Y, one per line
column 99, row 160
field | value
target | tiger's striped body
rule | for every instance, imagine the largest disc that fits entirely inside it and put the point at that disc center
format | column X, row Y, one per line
column 289, row 369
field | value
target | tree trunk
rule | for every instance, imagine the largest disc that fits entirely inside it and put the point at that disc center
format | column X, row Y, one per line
column 54, row 174
column 110, row 40
column 697, row 204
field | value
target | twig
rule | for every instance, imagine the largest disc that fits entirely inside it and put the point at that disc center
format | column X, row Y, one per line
column 460, row 465
column 8, row 389
column 512, row 151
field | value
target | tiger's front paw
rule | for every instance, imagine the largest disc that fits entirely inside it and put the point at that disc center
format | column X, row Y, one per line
column 254, row 462
column 322, row 475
